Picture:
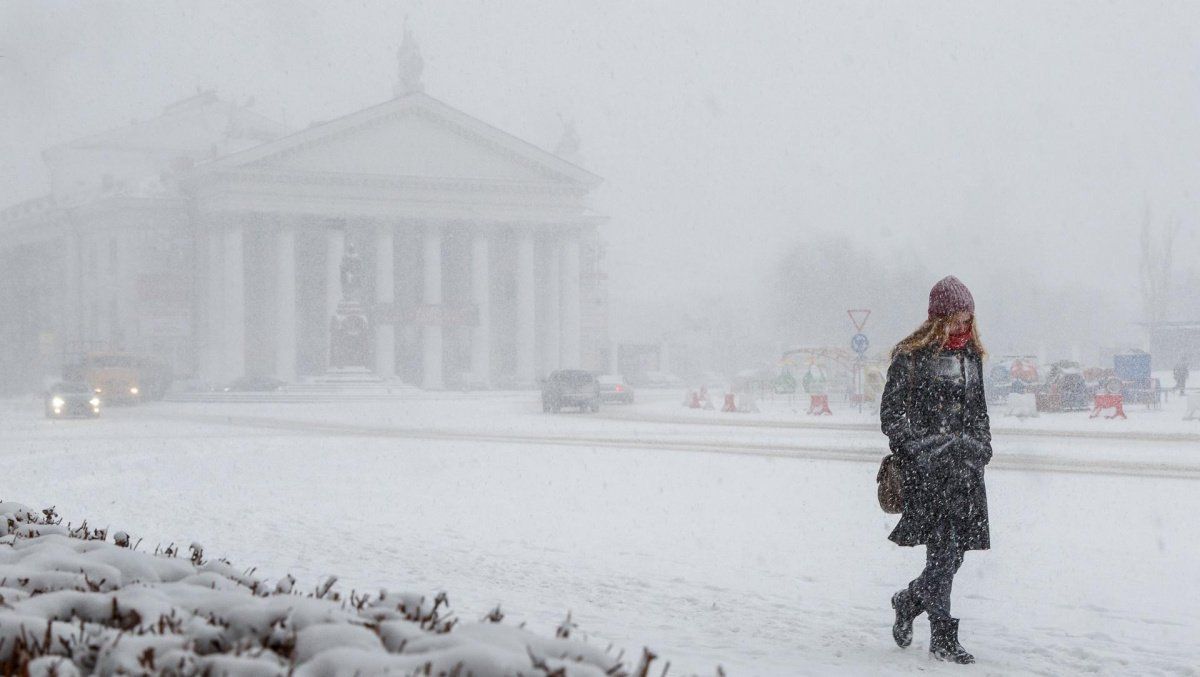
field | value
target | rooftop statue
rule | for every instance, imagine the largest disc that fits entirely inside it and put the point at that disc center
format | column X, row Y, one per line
column 568, row 147
column 409, row 66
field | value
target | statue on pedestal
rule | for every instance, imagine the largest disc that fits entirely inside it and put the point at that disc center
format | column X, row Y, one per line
column 349, row 335
column 409, row 66
column 569, row 144
column 352, row 275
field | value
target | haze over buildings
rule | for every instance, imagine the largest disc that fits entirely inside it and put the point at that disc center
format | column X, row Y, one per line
column 1014, row 144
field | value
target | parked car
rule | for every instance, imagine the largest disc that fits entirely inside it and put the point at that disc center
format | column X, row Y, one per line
column 758, row 380
column 72, row 400
column 613, row 388
column 1011, row 374
column 254, row 384
column 570, row 388
column 1065, row 389
column 658, row 379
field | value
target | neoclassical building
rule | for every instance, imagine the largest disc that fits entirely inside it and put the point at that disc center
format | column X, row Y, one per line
column 407, row 241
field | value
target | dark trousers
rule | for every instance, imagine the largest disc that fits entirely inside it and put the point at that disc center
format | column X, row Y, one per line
column 943, row 557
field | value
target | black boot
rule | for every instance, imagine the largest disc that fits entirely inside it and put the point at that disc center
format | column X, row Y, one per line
column 907, row 608
column 943, row 644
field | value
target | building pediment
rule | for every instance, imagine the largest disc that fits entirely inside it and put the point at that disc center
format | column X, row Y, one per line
column 411, row 137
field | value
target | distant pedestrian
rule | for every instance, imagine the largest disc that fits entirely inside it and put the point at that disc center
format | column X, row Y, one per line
column 1181, row 374
column 935, row 416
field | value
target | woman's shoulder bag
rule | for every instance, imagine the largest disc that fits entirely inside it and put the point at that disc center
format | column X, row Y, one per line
column 890, row 490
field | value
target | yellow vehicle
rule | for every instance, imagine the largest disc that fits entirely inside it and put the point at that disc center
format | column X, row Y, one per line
column 122, row 378
column 115, row 377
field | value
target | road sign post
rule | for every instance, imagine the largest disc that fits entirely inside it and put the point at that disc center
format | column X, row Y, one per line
column 859, row 318
column 859, row 344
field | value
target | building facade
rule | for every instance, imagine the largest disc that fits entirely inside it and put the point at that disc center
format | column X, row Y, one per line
column 407, row 241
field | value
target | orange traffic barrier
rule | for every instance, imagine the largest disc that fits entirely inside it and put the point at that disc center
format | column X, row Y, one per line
column 729, row 406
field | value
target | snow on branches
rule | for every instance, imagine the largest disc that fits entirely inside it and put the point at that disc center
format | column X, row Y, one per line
column 71, row 602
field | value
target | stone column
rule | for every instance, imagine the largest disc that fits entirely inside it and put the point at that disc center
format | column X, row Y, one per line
column 431, row 333
column 408, row 299
column 214, row 303
column 335, row 250
column 526, row 318
column 285, row 303
column 481, row 335
column 552, row 329
column 234, row 353
column 385, row 295
column 125, row 291
column 70, row 332
column 571, row 319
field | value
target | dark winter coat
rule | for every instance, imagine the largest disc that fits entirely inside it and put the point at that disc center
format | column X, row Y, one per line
column 935, row 416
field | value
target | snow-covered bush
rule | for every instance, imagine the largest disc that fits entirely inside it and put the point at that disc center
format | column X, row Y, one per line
column 71, row 602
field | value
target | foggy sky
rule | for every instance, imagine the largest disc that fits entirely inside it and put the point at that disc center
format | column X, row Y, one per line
column 1003, row 142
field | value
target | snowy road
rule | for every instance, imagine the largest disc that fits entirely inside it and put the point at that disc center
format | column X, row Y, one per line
column 767, row 556
column 872, row 426
column 870, row 453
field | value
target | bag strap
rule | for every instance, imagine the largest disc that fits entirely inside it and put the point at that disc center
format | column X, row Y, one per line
column 912, row 370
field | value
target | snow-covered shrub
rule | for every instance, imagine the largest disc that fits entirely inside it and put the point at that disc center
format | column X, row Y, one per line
column 71, row 602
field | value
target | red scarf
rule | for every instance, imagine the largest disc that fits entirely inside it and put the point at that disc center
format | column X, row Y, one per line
column 958, row 341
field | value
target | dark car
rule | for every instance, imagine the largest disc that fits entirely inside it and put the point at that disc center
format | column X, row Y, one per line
column 613, row 388
column 72, row 400
column 1065, row 389
column 570, row 388
column 657, row 379
column 255, row 384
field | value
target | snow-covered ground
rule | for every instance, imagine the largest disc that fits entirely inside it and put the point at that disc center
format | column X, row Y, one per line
column 765, row 554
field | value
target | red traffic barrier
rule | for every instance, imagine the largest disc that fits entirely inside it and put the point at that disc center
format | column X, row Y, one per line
column 1109, row 401
column 819, row 406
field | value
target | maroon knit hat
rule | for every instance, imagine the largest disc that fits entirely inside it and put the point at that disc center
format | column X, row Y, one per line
column 950, row 296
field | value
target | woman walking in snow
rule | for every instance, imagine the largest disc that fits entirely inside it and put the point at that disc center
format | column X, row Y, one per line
column 935, row 416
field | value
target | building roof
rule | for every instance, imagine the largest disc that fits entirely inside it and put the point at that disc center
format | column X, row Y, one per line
column 481, row 133
column 413, row 135
column 192, row 124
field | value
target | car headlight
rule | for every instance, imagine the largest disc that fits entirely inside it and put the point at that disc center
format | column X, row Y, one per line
column 57, row 402
column 133, row 390
column 95, row 401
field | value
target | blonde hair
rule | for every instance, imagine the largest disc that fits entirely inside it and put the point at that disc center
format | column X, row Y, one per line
column 935, row 332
